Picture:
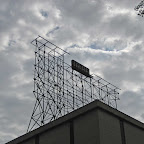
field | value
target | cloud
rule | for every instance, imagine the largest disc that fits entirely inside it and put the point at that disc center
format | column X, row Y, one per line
column 105, row 36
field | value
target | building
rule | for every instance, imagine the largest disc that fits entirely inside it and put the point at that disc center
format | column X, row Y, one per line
column 95, row 123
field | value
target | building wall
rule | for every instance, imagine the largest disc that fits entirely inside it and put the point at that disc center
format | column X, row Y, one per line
column 133, row 134
column 29, row 141
column 89, row 125
column 86, row 129
column 109, row 127
column 57, row 135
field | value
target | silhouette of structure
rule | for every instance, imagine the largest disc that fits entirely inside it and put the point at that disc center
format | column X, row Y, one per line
column 60, row 88
column 140, row 8
column 95, row 123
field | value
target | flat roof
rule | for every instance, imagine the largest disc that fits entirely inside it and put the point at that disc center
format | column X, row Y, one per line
column 76, row 113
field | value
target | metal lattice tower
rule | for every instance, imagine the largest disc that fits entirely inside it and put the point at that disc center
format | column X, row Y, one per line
column 140, row 8
column 60, row 89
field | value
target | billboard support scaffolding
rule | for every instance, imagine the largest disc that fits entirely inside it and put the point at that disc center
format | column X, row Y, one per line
column 60, row 88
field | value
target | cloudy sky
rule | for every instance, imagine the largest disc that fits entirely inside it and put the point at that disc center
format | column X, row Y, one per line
column 107, row 36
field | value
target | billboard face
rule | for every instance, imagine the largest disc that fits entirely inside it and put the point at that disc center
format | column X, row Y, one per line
column 80, row 68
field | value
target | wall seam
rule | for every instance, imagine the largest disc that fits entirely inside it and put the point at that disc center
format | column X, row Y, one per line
column 99, row 135
column 37, row 139
column 122, row 129
column 71, row 132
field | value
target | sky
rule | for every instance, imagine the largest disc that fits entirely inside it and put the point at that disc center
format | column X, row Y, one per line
column 107, row 36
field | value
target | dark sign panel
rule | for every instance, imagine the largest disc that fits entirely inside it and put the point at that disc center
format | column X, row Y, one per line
column 80, row 68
